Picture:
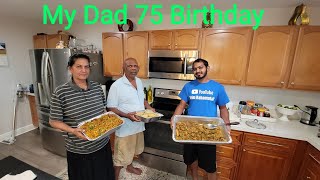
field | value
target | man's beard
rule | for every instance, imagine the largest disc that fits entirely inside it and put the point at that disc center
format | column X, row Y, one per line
column 201, row 77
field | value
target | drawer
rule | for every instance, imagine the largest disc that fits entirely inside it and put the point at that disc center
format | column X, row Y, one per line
column 224, row 172
column 269, row 142
column 226, row 151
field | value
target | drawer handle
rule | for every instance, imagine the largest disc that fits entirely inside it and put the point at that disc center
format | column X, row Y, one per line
column 218, row 172
column 308, row 177
column 314, row 158
column 221, row 152
column 262, row 142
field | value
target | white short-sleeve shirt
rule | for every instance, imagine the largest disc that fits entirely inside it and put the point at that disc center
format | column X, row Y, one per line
column 123, row 96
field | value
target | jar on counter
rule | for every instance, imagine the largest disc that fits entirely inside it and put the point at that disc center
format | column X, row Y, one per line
column 241, row 105
column 254, row 110
column 250, row 103
column 259, row 105
column 261, row 112
column 266, row 114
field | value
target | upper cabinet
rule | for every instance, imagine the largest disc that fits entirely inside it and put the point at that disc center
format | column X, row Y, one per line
column 174, row 40
column 306, row 65
column 271, row 55
column 161, row 40
column 227, row 51
column 49, row 41
column 112, row 44
column 39, row 41
column 136, row 46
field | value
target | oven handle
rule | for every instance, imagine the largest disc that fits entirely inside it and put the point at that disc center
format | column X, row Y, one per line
column 185, row 65
column 163, row 122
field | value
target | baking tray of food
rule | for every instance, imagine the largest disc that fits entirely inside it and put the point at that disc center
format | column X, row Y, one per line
column 101, row 126
column 192, row 129
column 148, row 116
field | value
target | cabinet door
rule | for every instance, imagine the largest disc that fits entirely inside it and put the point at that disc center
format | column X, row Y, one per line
column 160, row 40
column 186, row 39
column 136, row 46
column 263, row 164
column 227, row 52
column 271, row 53
column 306, row 66
column 40, row 41
column 310, row 169
column 52, row 40
column 112, row 44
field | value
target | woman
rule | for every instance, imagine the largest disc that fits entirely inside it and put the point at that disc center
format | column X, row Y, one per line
column 72, row 103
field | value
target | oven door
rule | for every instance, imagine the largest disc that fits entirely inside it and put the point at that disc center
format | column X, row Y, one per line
column 160, row 151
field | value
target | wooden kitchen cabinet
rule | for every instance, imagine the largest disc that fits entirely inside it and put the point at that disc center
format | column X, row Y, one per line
column 310, row 169
column 306, row 66
column 227, row 51
column 49, row 41
column 136, row 46
column 271, row 56
column 112, row 44
column 265, row 157
column 39, row 41
column 181, row 39
column 33, row 110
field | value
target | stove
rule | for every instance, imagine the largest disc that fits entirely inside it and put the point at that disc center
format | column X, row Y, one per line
column 161, row 152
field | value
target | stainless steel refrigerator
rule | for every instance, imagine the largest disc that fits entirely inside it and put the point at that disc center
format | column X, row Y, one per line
column 49, row 70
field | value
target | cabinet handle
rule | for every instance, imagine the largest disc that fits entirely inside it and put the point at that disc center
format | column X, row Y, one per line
column 176, row 44
column 314, row 158
column 262, row 142
column 281, row 82
column 218, row 172
column 169, row 44
column 221, row 152
column 292, row 83
column 244, row 150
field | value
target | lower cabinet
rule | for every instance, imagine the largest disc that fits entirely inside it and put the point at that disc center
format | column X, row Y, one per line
column 310, row 169
column 260, row 157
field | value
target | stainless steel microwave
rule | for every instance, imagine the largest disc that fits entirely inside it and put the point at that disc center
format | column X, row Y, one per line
column 171, row 64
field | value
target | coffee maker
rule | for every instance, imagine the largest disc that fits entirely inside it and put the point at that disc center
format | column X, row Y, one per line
column 309, row 115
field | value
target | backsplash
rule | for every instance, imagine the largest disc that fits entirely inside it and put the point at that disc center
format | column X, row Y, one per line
column 266, row 96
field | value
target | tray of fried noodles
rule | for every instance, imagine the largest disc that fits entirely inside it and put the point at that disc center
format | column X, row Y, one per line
column 192, row 129
column 101, row 126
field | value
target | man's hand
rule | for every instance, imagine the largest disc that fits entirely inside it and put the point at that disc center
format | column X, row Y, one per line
column 152, row 109
column 78, row 132
column 132, row 117
column 229, row 129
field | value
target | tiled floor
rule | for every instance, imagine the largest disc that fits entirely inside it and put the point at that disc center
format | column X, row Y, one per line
column 28, row 148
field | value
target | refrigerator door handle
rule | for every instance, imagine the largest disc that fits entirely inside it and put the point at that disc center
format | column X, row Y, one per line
column 44, row 74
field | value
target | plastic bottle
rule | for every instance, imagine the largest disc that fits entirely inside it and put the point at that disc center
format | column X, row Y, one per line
column 149, row 96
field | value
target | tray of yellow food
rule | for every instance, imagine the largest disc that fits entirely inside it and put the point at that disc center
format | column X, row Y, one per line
column 193, row 129
column 101, row 126
column 148, row 116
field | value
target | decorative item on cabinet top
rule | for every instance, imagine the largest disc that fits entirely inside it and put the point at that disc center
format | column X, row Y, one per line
column 208, row 19
column 126, row 27
column 300, row 12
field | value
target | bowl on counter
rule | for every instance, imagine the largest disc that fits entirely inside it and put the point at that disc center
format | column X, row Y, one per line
column 286, row 110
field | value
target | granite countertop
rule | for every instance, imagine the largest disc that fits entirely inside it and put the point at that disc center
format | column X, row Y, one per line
column 291, row 129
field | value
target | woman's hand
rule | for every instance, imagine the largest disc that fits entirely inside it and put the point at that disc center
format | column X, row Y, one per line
column 78, row 132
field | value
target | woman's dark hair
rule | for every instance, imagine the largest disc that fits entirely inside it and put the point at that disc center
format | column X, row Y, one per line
column 205, row 62
column 73, row 58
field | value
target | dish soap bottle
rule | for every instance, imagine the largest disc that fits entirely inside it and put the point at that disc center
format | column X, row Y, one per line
column 149, row 96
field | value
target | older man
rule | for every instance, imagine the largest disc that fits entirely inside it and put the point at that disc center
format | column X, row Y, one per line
column 125, row 97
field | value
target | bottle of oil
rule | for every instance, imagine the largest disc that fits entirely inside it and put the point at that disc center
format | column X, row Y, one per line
column 149, row 96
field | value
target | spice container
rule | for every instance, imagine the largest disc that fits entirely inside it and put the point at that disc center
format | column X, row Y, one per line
column 250, row 103
column 241, row 105
column 261, row 112
column 266, row 114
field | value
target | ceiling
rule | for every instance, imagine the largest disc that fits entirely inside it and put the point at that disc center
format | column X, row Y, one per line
column 32, row 9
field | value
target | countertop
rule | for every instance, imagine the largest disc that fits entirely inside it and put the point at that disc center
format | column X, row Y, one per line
column 291, row 129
